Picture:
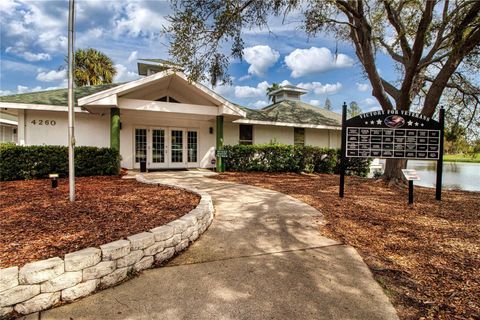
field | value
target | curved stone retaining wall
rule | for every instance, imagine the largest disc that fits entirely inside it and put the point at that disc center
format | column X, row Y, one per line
column 43, row 284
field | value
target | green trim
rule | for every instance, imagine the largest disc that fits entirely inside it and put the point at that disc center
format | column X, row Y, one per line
column 115, row 128
column 219, row 132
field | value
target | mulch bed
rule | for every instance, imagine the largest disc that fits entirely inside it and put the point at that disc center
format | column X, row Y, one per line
column 38, row 222
column 425, row 256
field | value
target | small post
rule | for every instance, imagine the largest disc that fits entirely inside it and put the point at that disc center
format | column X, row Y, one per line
column 438, row 184
column 441, row 120
column 410, row 191
column 220, row 161
column 342, row 150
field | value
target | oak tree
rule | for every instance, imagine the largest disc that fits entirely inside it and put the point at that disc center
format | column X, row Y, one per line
column 433, row 44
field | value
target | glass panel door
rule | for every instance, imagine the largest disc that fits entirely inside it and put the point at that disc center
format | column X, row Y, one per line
column 192, row 137
column 140, row 144
column 177, row 146
column 158, row 146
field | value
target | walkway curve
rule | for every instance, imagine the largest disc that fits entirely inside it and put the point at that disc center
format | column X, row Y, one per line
column 261, row 258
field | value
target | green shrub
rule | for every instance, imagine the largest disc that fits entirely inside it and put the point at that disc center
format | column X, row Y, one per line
column 30, row 162
column 288, row 158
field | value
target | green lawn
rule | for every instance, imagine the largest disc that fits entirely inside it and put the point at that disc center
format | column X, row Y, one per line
column 461, row 158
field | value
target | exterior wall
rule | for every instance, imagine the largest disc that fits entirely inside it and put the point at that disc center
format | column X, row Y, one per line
column 266, row 134
column 90, row 129
column 335, row 139
column 144, row 119
column 230, row 133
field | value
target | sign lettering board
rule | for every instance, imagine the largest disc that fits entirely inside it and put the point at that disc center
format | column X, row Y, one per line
column 410, row 174
column 393, row 134
column 222, row 153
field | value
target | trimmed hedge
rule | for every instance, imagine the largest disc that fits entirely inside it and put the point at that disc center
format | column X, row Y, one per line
column 33, row 162
column 289, row 158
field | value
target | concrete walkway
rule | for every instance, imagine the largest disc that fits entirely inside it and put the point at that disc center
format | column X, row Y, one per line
column 262, row 258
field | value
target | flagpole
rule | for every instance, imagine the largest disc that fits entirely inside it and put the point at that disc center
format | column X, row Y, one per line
column 71, row 112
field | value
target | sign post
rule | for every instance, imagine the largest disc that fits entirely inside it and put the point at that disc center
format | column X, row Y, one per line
column 342, row 153
column 438, row 191
column 410, row 175
column 392, row 134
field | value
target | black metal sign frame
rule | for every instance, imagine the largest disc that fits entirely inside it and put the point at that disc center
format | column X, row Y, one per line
column 392, row 134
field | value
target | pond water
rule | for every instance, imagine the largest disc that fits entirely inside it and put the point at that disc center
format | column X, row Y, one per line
column 456, row 175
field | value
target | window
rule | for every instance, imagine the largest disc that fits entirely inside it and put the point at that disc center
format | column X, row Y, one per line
column 246, row 134
column 192, row 146
column 140, row 145
column 299, row 136
column 167, row 99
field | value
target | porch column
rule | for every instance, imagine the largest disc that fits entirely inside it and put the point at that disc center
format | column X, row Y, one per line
column 220, row 163
column 115, row 128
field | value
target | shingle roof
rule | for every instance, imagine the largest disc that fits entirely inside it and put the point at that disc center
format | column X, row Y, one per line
column 57, row 97
column 292, row 111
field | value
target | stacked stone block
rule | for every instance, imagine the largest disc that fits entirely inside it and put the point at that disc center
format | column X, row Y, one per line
column 43, row 284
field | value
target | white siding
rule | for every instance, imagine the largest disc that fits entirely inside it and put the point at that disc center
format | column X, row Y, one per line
column 90, row 129
column 266, row 134
column 230, row 133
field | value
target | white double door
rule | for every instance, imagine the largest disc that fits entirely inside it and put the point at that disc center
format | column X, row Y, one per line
column 166, row 147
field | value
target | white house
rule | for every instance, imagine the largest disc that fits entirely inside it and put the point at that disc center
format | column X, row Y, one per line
column 167, row 120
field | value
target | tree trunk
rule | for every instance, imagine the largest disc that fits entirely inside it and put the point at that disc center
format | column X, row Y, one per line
column 393, row 170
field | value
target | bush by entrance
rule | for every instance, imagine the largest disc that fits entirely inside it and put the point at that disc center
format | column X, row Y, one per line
column 289, row 158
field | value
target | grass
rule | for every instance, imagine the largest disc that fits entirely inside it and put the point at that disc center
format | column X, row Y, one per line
column 460, row 157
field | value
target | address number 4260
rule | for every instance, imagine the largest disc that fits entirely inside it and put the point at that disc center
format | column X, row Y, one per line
column 43, row 122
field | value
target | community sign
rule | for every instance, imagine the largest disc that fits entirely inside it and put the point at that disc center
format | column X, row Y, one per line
column 392, row 134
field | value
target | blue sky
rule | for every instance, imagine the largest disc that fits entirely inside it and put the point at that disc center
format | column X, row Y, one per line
column 34, row 40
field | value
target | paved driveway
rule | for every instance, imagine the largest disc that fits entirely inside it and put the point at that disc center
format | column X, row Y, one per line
column 262, row 258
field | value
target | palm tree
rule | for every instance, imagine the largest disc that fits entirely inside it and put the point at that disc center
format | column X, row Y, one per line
column 92, row 67
column 270, row 89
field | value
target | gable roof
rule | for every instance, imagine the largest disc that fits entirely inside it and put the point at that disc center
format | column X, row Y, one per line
column 57, row 97
column 293, row 112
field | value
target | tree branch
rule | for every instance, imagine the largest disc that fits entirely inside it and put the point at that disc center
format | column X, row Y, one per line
column 399, row 28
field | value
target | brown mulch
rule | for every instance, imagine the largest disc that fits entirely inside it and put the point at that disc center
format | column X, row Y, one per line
column 425, row 256
column 38, row 222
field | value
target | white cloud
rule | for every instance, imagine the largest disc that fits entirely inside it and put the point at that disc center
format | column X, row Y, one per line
column 22, row 89
column 124, row 75
column 285, row 83
column 362, row 87
column 8, row 6
column 20, row 50
column 315, row 102
column 370, row 102
column 140, row 20
column 315, row 60
column 321, row 89
column 29, row 56
column 132, row 57
column 259, row 104
column 223, row 90
column 245, row 77
column 260, row 59
column 52, row 75
column 250, row 92
column 5, row 92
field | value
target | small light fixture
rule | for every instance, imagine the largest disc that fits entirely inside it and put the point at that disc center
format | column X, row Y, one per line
column 210, row 130
column 54, row 179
